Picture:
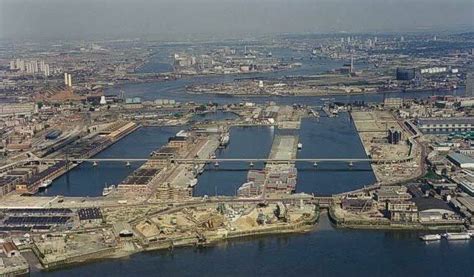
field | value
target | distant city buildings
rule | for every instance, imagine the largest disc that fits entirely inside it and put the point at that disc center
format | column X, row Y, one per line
column 30, row 67
column 67, row 79
column 10, row 109
column 433, row 70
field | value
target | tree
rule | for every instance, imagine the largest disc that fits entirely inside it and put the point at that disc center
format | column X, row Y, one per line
column 201, row 108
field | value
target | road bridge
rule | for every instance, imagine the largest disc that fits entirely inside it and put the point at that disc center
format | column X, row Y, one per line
column 315, row 161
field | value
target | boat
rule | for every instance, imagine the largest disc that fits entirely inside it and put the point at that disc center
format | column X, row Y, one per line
column 46, row 183
column 457, row 236
column 224, row 140
column 328, row 99
column 193, row 182
column 108, row 190
column 201, row 170
column 430, row 237
column 300, row 145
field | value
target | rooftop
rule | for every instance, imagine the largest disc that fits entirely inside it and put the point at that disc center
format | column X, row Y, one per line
column 446, row 120
column 430, row 203
column 460, row 158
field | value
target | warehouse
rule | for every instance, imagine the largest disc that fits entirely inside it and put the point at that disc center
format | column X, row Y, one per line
column 443, row 125
column 461, row 160
column 432, row 209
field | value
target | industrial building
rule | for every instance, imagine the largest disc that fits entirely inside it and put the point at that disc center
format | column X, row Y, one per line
column 393, row 102
column 405, row 74
column 10, row 109
column 470, row 84
column 10, row 249
column 435, row 125
column 431, row 209
column 461, row 160
column 402, row 211
column 466, row 183
column 394, row 136
column 392, row 193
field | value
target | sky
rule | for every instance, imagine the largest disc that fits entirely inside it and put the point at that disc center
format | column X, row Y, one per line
column 139, row 18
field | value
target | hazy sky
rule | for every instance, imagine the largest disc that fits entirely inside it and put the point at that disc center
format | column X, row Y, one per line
column 83, row 18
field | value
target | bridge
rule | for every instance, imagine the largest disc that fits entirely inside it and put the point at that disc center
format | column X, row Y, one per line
column 227, row 160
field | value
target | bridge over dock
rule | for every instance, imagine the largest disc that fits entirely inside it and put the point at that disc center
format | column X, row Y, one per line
column 314, row 161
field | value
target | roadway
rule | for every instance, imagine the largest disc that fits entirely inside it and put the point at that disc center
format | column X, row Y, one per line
column 224, row 160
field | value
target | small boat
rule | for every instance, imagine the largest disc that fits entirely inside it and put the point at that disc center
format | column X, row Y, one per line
column 328, row 99
column 108, row 190
column 193, row 182
column 46, row 183
column 224, row 140
column 300, row 146
column 457, row 236
column 430, row 237
column 201, row 170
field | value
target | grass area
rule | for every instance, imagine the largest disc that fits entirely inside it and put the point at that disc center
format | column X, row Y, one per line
column 432, row 175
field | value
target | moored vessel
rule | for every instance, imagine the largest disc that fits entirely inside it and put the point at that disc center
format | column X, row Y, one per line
column 46, row 183
column 430, row 237
column 457, row 236
column 224, row 140
column 192, row 182
column 108, row 190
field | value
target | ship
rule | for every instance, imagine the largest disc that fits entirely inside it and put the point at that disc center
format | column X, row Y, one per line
column 430, row 237
column 201, row 170
column 224, row 140
column 328, row 99
column 300, row 145
column 457, row 236
column 46, row 183
column 108, row 190
column 193, row 182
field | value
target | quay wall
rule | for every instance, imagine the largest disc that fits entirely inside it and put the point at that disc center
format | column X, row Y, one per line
column 388, row 225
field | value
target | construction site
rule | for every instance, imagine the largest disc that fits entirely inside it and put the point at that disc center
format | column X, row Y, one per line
column 385, row 138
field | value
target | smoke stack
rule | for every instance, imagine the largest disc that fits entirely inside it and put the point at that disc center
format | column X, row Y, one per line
column 69, row 80
column 65, row 79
